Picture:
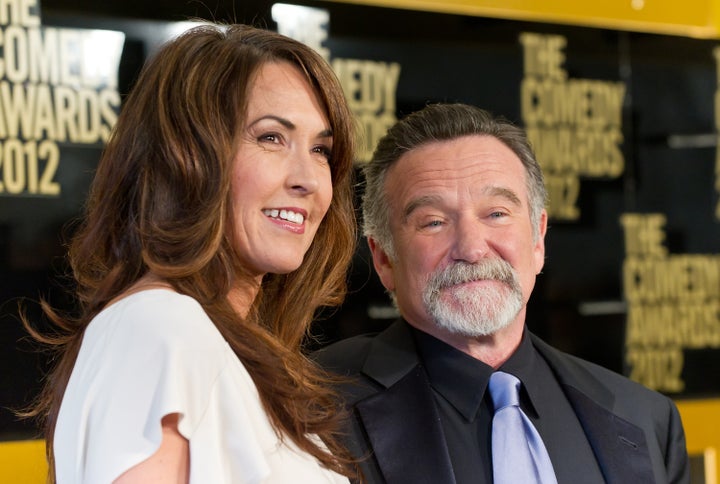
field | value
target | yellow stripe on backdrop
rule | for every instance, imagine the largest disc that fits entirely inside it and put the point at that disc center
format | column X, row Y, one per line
column 701, row 19
column 23, row 462
column 701, row 419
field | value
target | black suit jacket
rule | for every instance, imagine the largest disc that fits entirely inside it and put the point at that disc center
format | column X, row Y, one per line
column 635, row 433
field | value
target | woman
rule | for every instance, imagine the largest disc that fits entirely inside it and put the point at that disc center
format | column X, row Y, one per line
column 220, row 218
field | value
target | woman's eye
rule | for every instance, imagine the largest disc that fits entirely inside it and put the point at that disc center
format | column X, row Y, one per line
column 269, row 137
column 324, row 151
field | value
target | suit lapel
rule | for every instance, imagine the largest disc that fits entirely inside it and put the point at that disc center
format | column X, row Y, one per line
column 402, row 422
column 404, row 430
column 619, row 446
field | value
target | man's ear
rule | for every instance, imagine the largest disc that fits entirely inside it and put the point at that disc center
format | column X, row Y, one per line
column 383, row 264
column 539, row 247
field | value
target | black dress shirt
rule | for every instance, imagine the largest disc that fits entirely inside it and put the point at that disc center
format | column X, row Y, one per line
column 459, row 383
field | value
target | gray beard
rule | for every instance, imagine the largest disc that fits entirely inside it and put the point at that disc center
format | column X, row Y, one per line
column 473, row 312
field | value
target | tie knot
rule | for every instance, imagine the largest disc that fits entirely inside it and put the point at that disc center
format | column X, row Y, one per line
column 504, row 390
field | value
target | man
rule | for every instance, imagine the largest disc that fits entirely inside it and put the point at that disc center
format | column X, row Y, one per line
column 454, row 215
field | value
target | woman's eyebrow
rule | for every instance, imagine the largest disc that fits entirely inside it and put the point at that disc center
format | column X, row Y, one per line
column 326, row 133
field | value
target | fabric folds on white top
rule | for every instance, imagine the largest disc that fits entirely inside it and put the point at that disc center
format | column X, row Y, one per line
column 154, row 353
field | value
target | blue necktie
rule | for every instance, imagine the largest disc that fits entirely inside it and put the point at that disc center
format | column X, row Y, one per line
column 518, row 453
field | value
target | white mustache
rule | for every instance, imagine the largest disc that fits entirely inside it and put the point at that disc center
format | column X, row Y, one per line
column 461, row 272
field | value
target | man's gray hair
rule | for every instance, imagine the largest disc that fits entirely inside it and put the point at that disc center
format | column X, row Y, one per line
column 442, row 122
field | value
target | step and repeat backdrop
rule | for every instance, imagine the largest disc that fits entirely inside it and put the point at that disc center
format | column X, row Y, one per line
column 625, row 125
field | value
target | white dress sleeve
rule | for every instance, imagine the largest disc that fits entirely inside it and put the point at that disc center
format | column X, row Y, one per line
column 156, row 353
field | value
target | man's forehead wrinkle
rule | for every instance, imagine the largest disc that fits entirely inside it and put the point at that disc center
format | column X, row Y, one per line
column 442, row 174
column 427, row 175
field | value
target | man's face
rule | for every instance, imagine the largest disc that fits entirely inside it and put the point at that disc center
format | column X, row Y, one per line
column 460, row 221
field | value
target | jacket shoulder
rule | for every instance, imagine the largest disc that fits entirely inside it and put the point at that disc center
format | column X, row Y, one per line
column 345, row 357
column 581, row 374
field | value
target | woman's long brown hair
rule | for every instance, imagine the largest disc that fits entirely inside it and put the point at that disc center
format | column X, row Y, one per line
column 160, row 203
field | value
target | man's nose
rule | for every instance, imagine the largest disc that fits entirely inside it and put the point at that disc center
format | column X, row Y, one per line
column 471, row 240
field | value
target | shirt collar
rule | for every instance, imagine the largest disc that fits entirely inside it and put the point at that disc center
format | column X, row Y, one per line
column 462, row 380
column 458, row 377
column 523, row 364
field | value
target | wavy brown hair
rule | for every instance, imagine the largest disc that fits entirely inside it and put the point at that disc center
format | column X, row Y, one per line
column 160, row 204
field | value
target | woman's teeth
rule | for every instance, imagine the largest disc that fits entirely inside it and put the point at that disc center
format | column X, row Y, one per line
column 288, row 215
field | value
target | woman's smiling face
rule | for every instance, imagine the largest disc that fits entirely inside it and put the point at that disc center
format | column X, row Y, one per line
column 281, row 181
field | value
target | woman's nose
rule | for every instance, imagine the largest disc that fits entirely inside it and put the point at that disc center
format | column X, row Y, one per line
column 304, row 176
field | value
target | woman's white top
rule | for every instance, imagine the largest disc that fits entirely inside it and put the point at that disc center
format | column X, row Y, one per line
column 155, row 353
